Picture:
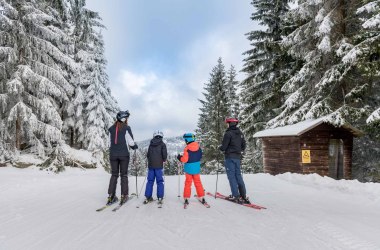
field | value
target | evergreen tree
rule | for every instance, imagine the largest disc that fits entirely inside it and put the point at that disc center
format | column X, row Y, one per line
column 34, row 57
column 90, row 81
column 267, row 67
column 171, row 166
column 139, row 163
column 97, row 96
column 73, row 126
column 252, row 158
column 325, row 84
column 232, row 98
column 53, row 82
column 363, row 58
column 92, row 109
column 213, row 112
column 366, row 54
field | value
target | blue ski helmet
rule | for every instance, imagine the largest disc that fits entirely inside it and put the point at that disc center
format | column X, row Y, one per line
column 189, row 137
column 122, row 115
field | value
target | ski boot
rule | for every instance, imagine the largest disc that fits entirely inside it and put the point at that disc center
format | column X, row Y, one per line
column 147, row 200
column 234, row 199
column 186, row 203
column 203, row 201
column 245, row 200
column 123, row 199
column 160, row 202
column 111, row 199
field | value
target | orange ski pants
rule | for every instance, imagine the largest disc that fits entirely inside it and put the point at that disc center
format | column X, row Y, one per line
column 197, row 183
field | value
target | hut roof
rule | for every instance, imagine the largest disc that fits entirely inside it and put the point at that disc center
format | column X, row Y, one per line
column 301, row 128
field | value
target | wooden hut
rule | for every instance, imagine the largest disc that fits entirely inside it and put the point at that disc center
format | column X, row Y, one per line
column 311, row 146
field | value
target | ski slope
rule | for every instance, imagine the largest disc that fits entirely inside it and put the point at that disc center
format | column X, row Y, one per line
column 43, row 210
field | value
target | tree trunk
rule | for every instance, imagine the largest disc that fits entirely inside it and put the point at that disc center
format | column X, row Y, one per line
column 72, row 137
column 18, row 133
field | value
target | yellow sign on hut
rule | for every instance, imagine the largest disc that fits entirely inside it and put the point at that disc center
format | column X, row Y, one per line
column 306, row 156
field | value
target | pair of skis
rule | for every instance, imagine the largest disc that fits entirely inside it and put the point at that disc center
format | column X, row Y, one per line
column 160, row 203
column 186, row 204
column 224, row 197
column 115, row 208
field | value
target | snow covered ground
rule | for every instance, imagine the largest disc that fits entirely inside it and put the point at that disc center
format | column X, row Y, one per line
column 43, row 210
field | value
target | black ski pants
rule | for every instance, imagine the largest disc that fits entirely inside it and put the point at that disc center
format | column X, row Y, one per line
column 119, row 164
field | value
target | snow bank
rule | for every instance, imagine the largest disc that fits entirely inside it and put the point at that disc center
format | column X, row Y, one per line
column 369, row 190
column 79, row 155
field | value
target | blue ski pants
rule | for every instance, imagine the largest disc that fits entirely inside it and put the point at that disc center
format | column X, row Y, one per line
column 234, row 177
column 155, row 173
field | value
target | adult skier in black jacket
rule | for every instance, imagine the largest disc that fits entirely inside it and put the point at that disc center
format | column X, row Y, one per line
column 233, row 145
column 121, row 137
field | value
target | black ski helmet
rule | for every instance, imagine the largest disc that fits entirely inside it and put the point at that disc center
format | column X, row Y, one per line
column 122, row 115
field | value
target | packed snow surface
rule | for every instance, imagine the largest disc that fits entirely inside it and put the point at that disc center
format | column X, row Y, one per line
column 43, row 210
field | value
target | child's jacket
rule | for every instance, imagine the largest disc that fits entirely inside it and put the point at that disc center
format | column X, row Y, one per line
column 192, row 155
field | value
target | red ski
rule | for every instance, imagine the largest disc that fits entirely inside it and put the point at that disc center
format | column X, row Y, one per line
column 203, row 203
column 223, row 197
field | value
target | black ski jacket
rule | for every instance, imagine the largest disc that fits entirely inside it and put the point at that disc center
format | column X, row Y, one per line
column 233, row 143
column 157, row 153
column 120, row 138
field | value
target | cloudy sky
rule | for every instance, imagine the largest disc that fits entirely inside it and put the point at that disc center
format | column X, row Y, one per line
column 160, row 53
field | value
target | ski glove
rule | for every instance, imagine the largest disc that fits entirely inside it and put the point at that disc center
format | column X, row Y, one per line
column 134, row 147
column 179, row 157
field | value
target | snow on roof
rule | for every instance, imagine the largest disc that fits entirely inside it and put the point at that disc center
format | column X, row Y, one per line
column 301, row 128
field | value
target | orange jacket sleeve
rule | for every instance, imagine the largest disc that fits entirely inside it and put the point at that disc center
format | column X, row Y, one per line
column 185, row 156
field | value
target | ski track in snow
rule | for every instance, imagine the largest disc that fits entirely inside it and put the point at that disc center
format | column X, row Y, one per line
column 342, row 236
column 42, row 210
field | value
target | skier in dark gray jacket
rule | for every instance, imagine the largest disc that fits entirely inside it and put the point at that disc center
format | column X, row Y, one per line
column 121, row 138
column 157, row 155
column 232, row 146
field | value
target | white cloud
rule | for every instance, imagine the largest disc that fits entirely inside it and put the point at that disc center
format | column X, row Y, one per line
column 202, row 54
column 135, row 83
column 156, row 103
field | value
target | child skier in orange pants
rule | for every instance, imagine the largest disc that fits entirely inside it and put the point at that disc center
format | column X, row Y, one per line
column 192, row 155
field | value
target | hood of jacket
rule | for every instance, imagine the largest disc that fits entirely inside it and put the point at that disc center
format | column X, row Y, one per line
column 234, row 129
column 155, row 141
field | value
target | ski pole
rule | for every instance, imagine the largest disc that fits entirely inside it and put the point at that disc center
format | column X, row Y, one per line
column 146, row 177
column 143, row 184
column 217, row 176
column 179, row 180
column 218, row 159
column 134, row 162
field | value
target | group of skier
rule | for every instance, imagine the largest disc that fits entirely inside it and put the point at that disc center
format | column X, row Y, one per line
column 121, row 139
